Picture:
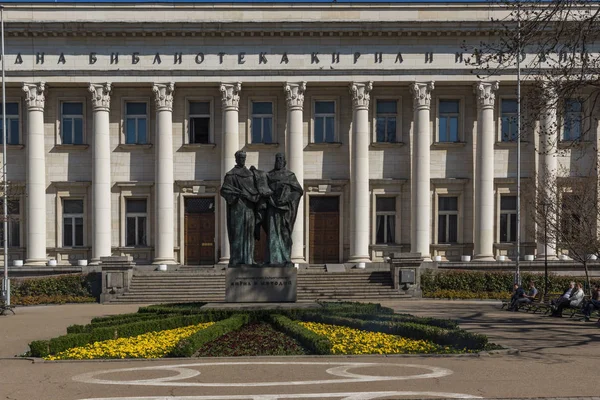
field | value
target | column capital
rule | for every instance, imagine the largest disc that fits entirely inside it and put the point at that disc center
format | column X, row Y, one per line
column 163, row 96
column 421, row 92
column 100, row 96
column 294, row 95
column 486, row 93
column 35, row 96
column 230, row 95
column 360, row 93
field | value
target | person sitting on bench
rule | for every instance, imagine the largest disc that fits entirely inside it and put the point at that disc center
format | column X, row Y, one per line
column 593, row 304
column 518, row 292
column 574, row 299
column 526, row 298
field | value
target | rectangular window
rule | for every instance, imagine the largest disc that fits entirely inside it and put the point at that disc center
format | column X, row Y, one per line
column 136, row 222
column 14, row 225
column 573, row 120
column 508, row 121
column 508, row 219
column 12, row 123
column 262, row 122
column 136, row 121
column 71, row 123
column 72, row 223
column 324, row 122
column 199, row 122
column 570, row 216
column 448, row 120
column 447, row 219
column 385, row 212
column 387, row 111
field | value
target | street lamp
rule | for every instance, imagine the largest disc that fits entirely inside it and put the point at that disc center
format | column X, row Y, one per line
column 5, row 305
column 544, row 206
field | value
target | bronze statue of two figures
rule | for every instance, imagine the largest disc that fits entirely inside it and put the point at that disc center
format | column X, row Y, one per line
column 260, row 200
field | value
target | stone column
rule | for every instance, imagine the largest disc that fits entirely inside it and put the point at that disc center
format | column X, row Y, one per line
column 163, row 250
column 101, row 198
column 359, row 178
column 294, row 96
column 484, row 171
column 420, row 178
column 548, row 161
column 36, row 174
column 230, row 99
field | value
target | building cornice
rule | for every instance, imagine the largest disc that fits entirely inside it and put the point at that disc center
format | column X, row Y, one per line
column 248, row 29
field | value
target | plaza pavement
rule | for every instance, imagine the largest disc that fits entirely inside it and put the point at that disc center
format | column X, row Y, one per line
column 558, row 358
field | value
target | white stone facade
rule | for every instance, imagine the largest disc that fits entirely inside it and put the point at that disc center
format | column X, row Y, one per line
column 441, row 194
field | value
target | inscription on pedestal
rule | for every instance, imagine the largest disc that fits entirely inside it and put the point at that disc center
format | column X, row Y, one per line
column 257, row 285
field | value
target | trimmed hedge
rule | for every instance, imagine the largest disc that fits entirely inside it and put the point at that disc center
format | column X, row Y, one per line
column 480, row 282
column 307, row 338
column 76, row 285
column 440, row 323
column 466, row 294
column 363, row 308
column 43, row 348
column 189, row 346
column 457, row 338
column 50, row 299
column 107, row 321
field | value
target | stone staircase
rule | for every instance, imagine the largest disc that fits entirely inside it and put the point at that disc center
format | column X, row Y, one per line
column 313, row 284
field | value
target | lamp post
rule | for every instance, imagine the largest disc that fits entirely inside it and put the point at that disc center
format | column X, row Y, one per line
column 5, row 282
column 544, row 206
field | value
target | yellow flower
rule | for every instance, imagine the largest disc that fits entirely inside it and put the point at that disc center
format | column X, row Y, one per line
column 346, row 340
column 148, row 345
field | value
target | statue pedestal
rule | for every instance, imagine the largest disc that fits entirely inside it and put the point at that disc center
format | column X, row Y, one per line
column 246, row 284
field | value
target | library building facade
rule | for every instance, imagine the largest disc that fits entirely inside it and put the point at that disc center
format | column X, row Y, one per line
column 122, row 120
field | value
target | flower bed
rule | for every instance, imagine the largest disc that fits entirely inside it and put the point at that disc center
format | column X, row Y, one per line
column 186, row 330
column 148, row 345
column 346, row 340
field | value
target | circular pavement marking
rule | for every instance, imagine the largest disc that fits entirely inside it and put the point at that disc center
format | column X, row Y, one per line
column 339, row 369
column 340, row 396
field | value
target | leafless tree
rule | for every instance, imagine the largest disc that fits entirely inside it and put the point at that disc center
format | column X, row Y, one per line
column 566, row 214
column 558, row 45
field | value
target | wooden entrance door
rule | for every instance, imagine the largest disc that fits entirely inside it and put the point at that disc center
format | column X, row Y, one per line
column 199, row 230
column 324, row 230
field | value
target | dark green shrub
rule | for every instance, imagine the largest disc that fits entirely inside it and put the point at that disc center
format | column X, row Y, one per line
column 189, row 346
column 312, row 341
column 483, row 281
column 349, row 306
column 76, row 285
column 441, row 323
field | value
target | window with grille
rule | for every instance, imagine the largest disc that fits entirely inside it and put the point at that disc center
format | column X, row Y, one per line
column 448, row 118
column 72, row 223
column 200, row 205
column 12, row 123
column 508, row 120
column 136, row 222
column 14, row 223
column 572, row 124
column 447, row 219
column 199, row 122
column 508, row 219
column 387, row 112
column 324, row 122
column 136, row 123
column 71, row 122
column 385, row 220
column 262, row 122
column 324, row 204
